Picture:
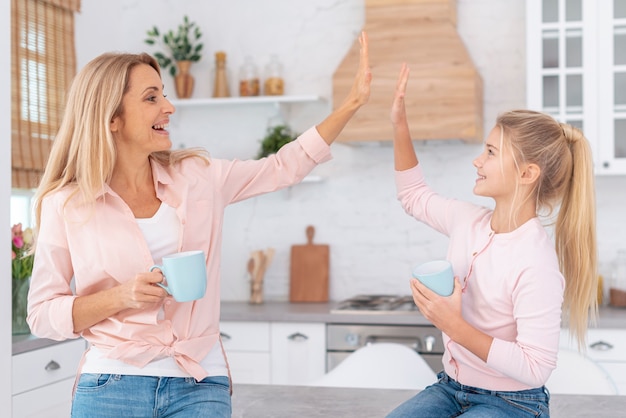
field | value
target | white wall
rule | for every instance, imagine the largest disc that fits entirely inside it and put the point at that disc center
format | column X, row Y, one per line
column 373, row 243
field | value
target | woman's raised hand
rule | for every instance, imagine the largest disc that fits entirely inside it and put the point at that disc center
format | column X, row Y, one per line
column 360, row 91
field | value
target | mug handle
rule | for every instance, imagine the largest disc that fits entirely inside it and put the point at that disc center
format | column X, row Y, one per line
column 156, row 266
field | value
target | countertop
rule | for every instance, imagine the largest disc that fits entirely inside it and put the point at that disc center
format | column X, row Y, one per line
column 317, row 312
column 251, row 401
column 609, row 317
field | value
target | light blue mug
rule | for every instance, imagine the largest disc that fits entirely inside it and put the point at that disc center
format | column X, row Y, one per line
column 437, row 276
column 185, row 275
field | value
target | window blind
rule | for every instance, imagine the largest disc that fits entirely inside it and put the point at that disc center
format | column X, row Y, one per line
column 43, row 63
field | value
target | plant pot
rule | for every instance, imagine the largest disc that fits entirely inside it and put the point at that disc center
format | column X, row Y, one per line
column 20, row 304
column 184, row 80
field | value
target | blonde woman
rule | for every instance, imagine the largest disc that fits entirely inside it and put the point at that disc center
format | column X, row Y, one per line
column 113, row 201
column 501, row 325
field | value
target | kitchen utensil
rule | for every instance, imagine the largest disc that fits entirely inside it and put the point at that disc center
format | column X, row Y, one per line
column 309, row 271
column 257, row 265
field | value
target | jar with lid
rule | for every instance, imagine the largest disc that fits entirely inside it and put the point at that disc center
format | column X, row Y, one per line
column 617, row 290
column 249, row 84
column 220, row 86
column 273, row 84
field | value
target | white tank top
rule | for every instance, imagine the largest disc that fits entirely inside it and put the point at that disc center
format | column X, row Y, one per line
column 161, row 232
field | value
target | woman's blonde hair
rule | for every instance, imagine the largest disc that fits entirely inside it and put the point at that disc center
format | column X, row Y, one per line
column 84, row 153
column 566, row 180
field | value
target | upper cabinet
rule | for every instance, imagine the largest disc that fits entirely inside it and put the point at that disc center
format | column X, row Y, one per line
column 576, row 71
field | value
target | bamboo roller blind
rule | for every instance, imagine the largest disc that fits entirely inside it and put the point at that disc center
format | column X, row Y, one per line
column 43, row 62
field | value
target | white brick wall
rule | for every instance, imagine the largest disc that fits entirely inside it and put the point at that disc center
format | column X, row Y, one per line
column 354, row 209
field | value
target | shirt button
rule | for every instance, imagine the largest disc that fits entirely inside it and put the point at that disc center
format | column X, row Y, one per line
column 474, row 253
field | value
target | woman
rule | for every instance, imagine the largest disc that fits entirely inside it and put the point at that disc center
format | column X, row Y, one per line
column 501, row 324
column 114, row 200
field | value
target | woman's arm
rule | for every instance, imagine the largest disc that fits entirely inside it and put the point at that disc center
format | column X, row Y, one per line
column 139, row 293
column 359, row 94
column 404, row 153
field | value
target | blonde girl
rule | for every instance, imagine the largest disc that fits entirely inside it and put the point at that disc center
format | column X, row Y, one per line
column 502, row 323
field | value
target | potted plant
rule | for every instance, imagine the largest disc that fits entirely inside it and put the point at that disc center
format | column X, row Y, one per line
column 276, row 137
column 182, row 47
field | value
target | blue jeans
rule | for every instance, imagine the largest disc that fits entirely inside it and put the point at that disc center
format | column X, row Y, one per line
column 448, row 398
column 116, row 396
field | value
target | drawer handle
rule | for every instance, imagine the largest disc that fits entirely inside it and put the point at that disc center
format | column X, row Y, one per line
column 225, row 336
column 601, row 346
column 297, row 336
column 52, row 365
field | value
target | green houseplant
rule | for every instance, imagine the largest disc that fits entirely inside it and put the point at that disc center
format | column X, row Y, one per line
column 275, row 138
column 182, row 45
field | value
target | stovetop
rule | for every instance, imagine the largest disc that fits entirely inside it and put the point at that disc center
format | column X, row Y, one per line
column 376, row 304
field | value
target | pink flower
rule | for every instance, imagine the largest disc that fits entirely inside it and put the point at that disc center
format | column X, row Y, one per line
column 13, row 255
column 16, row 230
column 18, row 241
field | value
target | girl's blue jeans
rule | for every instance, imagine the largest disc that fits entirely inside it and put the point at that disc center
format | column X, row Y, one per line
column 448, row 398
column 116, row 396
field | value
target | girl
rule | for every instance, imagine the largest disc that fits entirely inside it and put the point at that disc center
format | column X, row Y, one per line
column 502, row 323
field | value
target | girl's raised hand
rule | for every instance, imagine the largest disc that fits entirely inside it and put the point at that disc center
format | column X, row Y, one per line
column 398, row 108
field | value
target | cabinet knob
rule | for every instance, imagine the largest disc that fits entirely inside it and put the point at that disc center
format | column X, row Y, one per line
column 601, row 346
column 225, row 336
column 430, row 341
column 297, row 336
column 52, row 365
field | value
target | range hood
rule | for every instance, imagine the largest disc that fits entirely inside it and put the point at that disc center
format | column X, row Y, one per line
column 444, row 95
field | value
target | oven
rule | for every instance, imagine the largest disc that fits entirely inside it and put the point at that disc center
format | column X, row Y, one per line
column 343, row 338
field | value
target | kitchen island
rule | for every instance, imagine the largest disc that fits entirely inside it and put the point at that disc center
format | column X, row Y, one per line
column 252, row 401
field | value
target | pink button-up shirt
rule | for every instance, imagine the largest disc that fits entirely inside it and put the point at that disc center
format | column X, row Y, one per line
column 513, row 289
column 101, row 246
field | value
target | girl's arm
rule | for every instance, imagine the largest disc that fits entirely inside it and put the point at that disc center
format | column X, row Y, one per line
column 404, row 153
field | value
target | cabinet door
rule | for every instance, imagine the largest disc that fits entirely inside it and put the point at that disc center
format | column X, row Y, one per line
column 576, row 71
column 38, row 368
column 298, row 352
column 53, row 400
column 608, row 348
column 247, row 346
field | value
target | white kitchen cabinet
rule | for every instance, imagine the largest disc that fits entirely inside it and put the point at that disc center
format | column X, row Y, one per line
column 298, row 352
column 608, row 348
column 42, row 380
column 247, row 346
column 283, row 353
column 576, row 71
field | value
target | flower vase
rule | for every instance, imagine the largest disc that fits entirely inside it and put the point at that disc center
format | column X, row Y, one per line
column 20, row 305
column 184, row 80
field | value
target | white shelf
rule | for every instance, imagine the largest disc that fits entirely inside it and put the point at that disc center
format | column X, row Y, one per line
column 209, row 101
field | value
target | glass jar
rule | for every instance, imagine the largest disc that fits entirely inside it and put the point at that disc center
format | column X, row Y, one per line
column 249, row 84
column 273, row 84
column 617, row 291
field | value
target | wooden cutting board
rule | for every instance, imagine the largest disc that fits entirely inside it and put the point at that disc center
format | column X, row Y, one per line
column 309, row 271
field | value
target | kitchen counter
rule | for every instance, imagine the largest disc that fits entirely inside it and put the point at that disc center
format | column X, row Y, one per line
column 251, row 401
column 609, row 317
column 317, row 312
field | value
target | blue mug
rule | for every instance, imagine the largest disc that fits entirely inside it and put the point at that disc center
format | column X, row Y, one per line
column 184, row 274
column 437, row 276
